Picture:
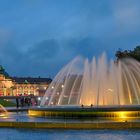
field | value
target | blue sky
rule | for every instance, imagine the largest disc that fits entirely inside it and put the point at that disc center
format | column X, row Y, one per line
column 38, row 37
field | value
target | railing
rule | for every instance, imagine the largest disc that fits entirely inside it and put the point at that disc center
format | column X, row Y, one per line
column 15, row 97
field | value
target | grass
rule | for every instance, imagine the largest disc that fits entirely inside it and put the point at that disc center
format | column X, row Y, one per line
column 7, row 103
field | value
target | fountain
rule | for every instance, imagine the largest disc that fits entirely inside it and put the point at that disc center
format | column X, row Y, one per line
column 92, row 88
column 3, row 111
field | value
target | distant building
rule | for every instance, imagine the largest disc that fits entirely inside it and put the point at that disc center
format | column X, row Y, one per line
column 30, row 86
column 6, row 84
column 13, row 86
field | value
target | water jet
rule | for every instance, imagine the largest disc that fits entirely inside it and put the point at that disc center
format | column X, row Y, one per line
column 96, row 88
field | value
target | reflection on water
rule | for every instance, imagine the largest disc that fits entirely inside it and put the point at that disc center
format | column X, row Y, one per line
column 23, row 117
column 58, row 134
column 40, row 134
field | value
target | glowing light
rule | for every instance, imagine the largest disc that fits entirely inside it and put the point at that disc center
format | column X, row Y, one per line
column 47, row 98
column 33, row 113
column 57, row 93
column 52, row 87
column 4, row 115
column 123, row 114
column 39, row 98
column 111, row 90
column 62, row 86
column 65, row 96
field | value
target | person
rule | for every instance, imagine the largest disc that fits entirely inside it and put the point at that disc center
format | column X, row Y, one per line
column 33, row 102
column 22, row 101
column 17, row 103
column 29, row 101
column 26, row 101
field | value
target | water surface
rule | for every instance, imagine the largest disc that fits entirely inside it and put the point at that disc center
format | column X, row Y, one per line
column 55, row 134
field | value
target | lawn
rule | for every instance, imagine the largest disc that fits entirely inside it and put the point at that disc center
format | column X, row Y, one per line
column 7, row 103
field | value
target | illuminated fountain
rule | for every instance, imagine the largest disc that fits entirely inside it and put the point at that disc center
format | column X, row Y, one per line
column 96, row 83
column 3, row 111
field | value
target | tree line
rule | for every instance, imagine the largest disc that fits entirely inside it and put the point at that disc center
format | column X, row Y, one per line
column 135, row 53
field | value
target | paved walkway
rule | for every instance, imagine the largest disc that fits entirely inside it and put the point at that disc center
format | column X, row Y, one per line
column 13, row 109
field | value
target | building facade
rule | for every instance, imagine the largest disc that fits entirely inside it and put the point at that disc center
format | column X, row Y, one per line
column 6, row 84
column 17, row 86
column 30, row 86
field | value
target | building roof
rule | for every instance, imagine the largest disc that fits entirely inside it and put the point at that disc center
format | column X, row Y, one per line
column 31, row 80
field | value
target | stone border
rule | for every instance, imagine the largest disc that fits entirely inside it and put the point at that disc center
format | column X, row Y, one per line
column 83, row 113
column 63, row 125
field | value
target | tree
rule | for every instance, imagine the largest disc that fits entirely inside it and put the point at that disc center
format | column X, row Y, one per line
column 129, row 53
column 135, row 53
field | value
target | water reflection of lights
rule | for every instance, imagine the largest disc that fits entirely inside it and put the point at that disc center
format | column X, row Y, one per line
column 4, row 115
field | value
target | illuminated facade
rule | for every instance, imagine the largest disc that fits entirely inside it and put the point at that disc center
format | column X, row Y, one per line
column 13, row 86
column 30, row 86
column 6, row 84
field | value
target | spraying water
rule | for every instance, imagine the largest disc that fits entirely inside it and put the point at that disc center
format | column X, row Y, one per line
column 97, row 82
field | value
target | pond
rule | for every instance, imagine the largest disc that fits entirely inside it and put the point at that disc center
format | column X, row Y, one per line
column 55, row 134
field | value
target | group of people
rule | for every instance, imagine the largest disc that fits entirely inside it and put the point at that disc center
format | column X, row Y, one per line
column 25, row 101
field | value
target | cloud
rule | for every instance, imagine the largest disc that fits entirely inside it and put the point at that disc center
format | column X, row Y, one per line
column 5, row 35
column 86, row 47
column 46, row 49
column 43, row 36
column 126, row 14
